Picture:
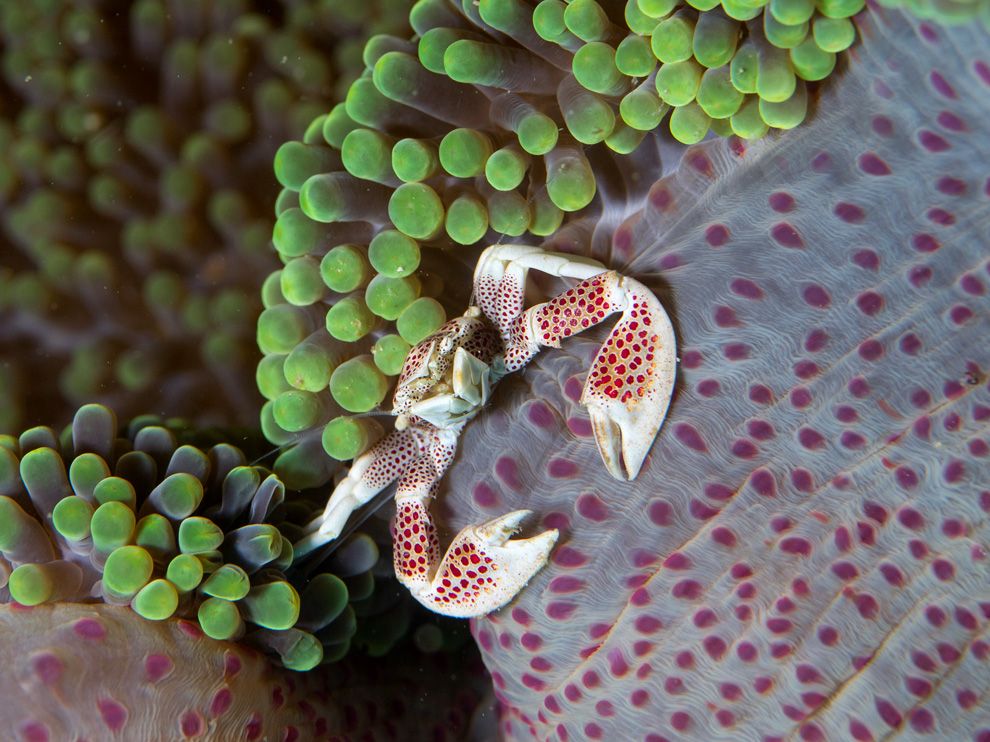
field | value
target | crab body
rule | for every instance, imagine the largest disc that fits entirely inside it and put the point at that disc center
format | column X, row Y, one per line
column 448, row 378
column 433, row 373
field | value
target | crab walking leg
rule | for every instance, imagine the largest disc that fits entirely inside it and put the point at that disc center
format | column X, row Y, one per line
column 369, row 474
column 481, row 571
column 632, row 377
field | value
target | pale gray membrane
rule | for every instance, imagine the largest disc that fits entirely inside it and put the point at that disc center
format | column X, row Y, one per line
column 805, row 553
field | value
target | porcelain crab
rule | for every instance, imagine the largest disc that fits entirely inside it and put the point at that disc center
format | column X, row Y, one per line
column 447, row 379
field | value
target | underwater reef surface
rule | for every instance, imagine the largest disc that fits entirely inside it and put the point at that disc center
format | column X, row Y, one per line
column 102, row 672
column 178, row 570
column 146, row 515
column 805, row 552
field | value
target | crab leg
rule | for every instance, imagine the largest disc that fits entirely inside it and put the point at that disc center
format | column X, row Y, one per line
column 631, row 379
column 370, row 473
column 481, row 571
column 500, row 278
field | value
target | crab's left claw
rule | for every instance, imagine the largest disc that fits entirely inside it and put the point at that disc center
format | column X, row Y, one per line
column 632, row 378
column 482, row 570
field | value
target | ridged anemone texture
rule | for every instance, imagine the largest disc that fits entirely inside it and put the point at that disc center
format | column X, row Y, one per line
column 135, row 147
column 75, row 671
column 947, row 12
column 149, row 520
column 805, row 552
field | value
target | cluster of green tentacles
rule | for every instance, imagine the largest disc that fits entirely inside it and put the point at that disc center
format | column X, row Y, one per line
column 477, row 129
column 135, row 190
column 139, row 518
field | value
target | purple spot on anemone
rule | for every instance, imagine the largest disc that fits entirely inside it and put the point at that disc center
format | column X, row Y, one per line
column 90, row 628
column 484, row 495
column 763, row 483
column 580, row 426
column 192, row 724
column 559, row 468
column 781, row 202
column 507, row 470
column 47, row 667
column 736, row 351
column 34, row 731
column 540, row 415
column 919, row 275
column 659, row 512
column 573, row 388
column 745, row 288
column 882, row 125
column 821, row 162
column 786, row 235
column 566, row 556
column 114, row 714
column 932, row 141
column 560, row 610
column 942, row 86
column 708, row 387
column 592, row 507
column 717, row 235
column 941, row 217
column 221, row 702
column 949, row 120
column 160, row 666
column 951, row 186
column 816, row 296
column 866, row 259
column 871, row 350
column 726, row 317
column 872, row 164
column 190, row 629
column 690, row 437
column 849, row 213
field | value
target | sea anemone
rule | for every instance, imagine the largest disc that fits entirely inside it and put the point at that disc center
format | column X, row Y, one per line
column 152, row 521
column 804, row 552
column 136, row 193
column 478, row 130
column 96, row 671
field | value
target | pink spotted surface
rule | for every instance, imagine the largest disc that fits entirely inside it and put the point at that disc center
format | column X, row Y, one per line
column 73, row 671
column 804, row 555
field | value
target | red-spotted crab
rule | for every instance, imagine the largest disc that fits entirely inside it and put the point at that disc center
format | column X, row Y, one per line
column 446, row 380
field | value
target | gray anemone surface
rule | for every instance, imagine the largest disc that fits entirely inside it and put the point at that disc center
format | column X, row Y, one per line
column 805, row 552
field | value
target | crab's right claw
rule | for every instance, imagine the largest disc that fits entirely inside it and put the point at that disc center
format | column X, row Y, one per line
column 631, row 381
column 483, row 570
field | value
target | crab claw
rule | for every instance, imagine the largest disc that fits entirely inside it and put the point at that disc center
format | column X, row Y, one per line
column 631, row 381
column 482, row 570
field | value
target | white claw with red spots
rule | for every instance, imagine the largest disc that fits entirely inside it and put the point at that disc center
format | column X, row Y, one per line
column 481, row 571
column 631, row 380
